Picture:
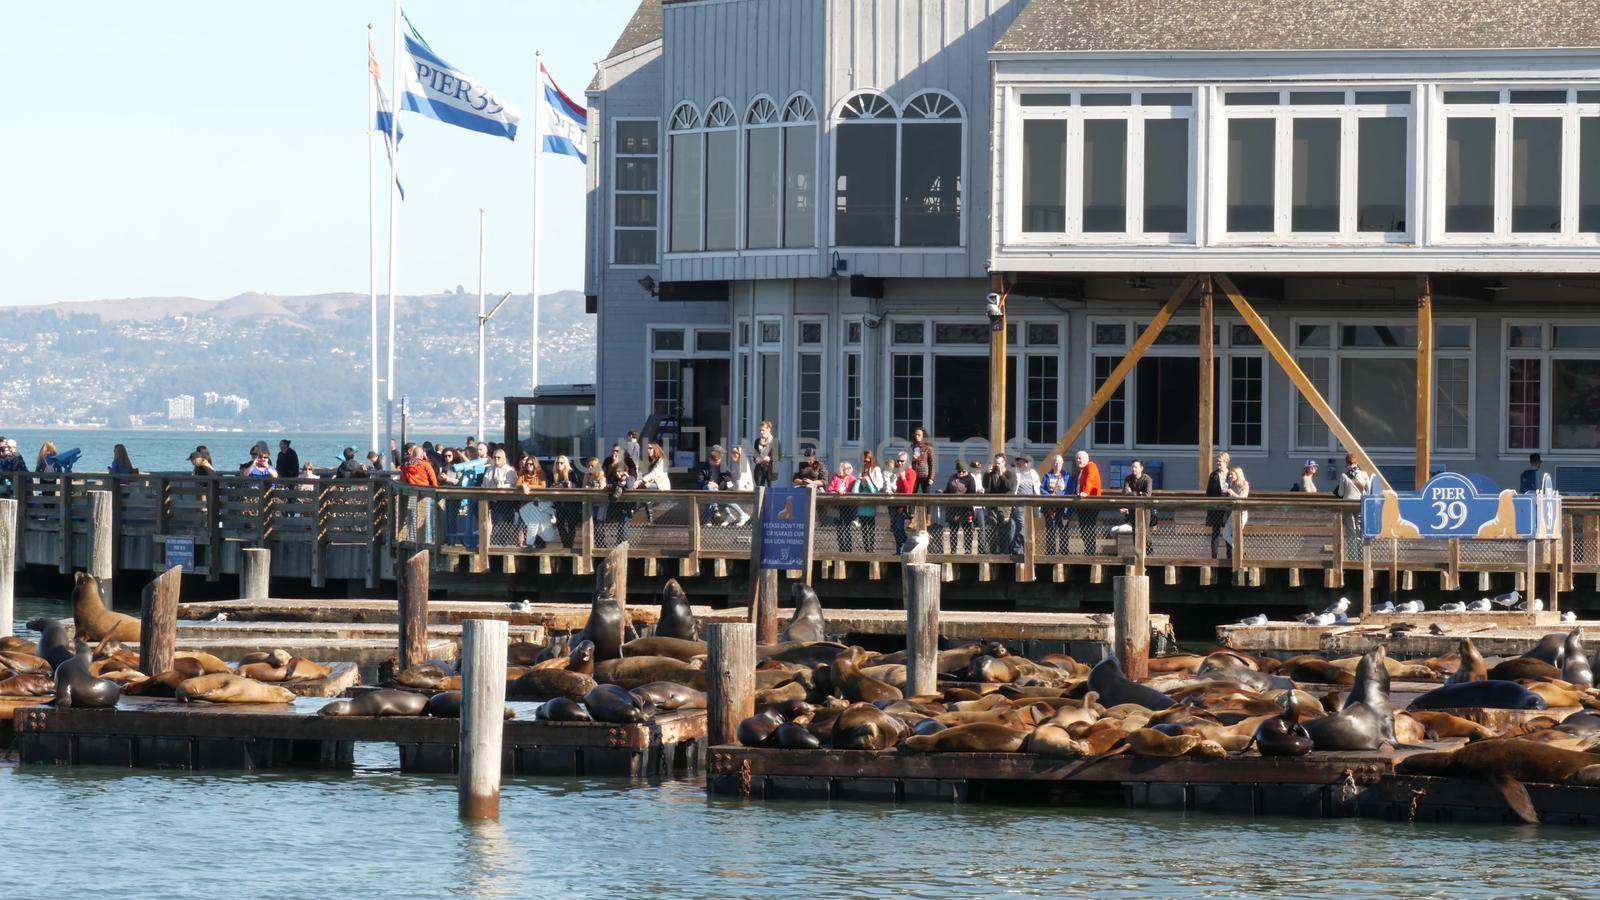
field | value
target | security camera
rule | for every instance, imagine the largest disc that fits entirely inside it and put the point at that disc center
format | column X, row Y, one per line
column 872, row 321
column 995, row 310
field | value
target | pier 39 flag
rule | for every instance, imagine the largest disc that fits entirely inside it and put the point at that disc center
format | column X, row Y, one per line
column 565, row 124
column 438, row 90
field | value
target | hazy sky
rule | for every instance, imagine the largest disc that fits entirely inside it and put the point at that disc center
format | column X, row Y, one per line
column 206, row 149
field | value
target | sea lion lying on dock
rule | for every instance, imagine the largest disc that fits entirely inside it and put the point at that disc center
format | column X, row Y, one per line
column 224, row 688
column 91, row 620
column 1506, row 764
column 547, row 684
column 382, row 702
column 670, row 695
column 30, row 684
column 1489, row 694
column 682, row 649
column 610, row 703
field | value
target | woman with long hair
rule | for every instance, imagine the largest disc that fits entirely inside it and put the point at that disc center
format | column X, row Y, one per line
column 537, row 515
column 871, row 480
column 47, row 458
column 562, row 479
column 120, row 463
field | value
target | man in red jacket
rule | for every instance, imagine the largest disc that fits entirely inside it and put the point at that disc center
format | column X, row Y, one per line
column 1085, row 482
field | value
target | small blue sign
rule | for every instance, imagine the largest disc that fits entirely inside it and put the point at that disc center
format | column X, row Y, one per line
column 785, row 528
column 180, row 552
column 1450, row 506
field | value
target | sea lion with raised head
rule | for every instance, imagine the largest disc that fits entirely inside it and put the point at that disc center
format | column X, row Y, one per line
column 677, row 619
column 55, row 647
column 1506, row 764
column 1551, row 649
column 608, row 621
column 807, row 625
column 610, row 703
column 91, row 620
column 76, row 687
column 1366, row 720
column 225, row 688
column 1114, row 688
column 1284, row 735
column 1472, row 668
column 382, row 702
column 546, row 684
column 855, row 685
column 1490, row 694
column 670, row 695
column 1576, row 669
column 563, row 709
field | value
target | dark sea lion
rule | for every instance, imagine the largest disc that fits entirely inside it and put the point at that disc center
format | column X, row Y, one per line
column 444, row 705
column 610, row 703
column 556, row 647
column 1472, row 668
column 928, row 726
column 562, row 709
column 1114, row 688
column 1491, row 694
column 222, row 687
column 1366, row 720
column 677, row 619
column 31, row 684
column 545, row 684
column 581, row 658
column 1519, row 667
column 76, row 687
column 758, row 729
column 811, row 654
column 979, row 737
column 677, row 648
column 1506, row 764
column 862, row 726
column 54, row 645
column 91, row 620
column 790, row 736
column 1576, row 669
column 1284, row 735
column 807, row 624
column 522, row 653
column 1582, row 723
column 608, row 620
column 670, row 695
column 382, row 702
column 1551, row 649
column 1316, row 670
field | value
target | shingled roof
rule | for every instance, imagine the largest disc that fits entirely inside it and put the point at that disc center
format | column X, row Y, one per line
column 1047, row 26
column 644, row 27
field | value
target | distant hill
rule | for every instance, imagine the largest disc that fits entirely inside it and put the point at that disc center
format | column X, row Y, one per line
column 300, row 361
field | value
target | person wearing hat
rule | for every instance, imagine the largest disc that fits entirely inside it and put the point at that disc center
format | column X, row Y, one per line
column 1027, row 484
column 1308, row 478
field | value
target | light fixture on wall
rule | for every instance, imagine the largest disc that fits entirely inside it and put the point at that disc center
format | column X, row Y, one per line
column 840, row 265
column 1140, row 284
column 649, row 285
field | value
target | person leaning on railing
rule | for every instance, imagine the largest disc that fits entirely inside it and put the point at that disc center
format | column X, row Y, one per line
column 1138, row 483
column 1054, row 484
column 870, row 481
column 537, row 516
column 1217, row 486
column 1028, row 484
column 709, row 475
column 843, row 481
column 566, row 514
column 999, row 479
column 958, row 520
column 902, row 480
column 1086, row 483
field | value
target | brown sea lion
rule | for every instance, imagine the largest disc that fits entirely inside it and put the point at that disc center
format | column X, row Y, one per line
column 632, row 671
column 807, row 624
column 979, row 737
column 678, row 648
column 32, row 684
column 1506, row 764
column 224, row 688
column 544, row 684
column 1182, row 662
column 522, row 653
column 669, row 695
column 862, row 726
column 1150, row 742
column 25, row 663
column 298, row 669
column 1523, row 667
column 13, row 643
column 425, row 676
column 119, row 662
column 857, row 686
column 790, row 691
column 382, row 702
column 1054, row 740
column 161, row 684
column 1471, row 666
column 893, row 675
column 1552, row 649
column 91, row 620
column 1318, row 671
column 1444, row 725
column 676, row 619
column 211, row 665
column 1555, row 693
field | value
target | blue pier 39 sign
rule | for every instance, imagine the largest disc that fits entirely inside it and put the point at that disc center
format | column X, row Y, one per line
column 1451, row 506
column 785, row 528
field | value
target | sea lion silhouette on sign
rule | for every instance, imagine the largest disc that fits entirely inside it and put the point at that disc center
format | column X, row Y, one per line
column 1504, row 524
column 1390, row 523
column 787, row 513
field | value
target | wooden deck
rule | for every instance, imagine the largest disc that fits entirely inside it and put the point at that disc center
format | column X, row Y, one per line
column 1491, row 639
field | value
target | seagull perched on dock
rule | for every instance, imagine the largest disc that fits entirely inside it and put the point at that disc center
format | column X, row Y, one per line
column 1410, row 606
column 1482, row 604
column 1507, row 600
column 220, row 617
column 526, row 606
column 1257, row 619
column 1569, row 616
column 1386, row 607
column 916, row 548
column 1458, row 606
column 1534, row 605
column 1337, row 612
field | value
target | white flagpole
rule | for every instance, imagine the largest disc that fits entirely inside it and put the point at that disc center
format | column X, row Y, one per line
column 538, row 151
column 372, row 248
column 483, row 323
column 394, row 181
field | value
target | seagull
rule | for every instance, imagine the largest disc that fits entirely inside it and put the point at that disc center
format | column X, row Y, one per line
column 1569, row 616
column 1480, row 605
column 1535, row 605
column 1507, row 600
column 1410, row 606
column 1453, row 607
column 1386, row 607
column 916, row 548
column 1257, row 619
column 1335, row 612
column 220, row 617
column 526, row 606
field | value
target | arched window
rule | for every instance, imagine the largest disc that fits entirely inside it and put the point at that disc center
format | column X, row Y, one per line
column 686, row 145
column 722, row 177
column 898, row 172
column 780, row 174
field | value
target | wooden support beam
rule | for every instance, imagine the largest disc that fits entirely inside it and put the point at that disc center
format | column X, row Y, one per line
column 158, row 622
column 730, row 679
column 413, row 596
column 8, row 564
column 1130, row 610
column 920, row 589
column 997, row 373
column 1424, row 379
column 1296, row 376
column 1208, row 381
column 483, row 702
column 1120, row 373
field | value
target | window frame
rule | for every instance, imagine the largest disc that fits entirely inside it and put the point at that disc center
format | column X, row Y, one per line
column 856, row 352
column 820, row 349
column 696, row 130
column 1136, row 115
column 836, row 119
column 1283, row 114
column 690, row 351
column 1546, row 354
column 1504, row 113
column 659, row 156
column 1335, row 353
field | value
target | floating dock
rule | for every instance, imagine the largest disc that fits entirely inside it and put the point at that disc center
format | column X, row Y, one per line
column 162, row 733
column 1420, row 635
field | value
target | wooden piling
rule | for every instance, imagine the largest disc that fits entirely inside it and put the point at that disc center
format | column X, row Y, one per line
column 483, row 700
column 920, row 584
column 158, row 621
column 730, row 679
column 763, row 582
column 255, row 573
column 8, row 564
column 101, row 540
column 1130, row 595
column 413, row 595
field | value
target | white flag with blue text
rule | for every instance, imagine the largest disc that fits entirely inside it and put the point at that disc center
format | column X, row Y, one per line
column 438, row 90
column 566, row 124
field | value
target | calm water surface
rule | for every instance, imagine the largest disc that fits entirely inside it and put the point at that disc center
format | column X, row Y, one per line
column 374, row 832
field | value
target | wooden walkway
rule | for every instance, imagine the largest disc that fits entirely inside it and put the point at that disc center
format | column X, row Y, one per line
column 1420, row 640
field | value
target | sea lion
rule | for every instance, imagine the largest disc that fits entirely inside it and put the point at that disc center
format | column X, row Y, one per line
column 788, row 692
column 382, row 702
column 1506, row 764
column 297, row 669
column 979, row 737
column 30, row 684
column 607, row 622
column 581, row 658
column 862, row 726
column 854, row 685
column 1519, row 667
column 1576, row 669
column 26, row 663
column 1114, row 688
column 444, row 705
column 55, row 647
column 677, row 619
column 1472, row 668
column 76, row 687
column 13, row 643
column 1491, row 694
column 1318, row 671
column 807, row 624
column 1366, row 720
column 1151, row 742
column 791, row 736
column 1551, row 649
column 756, row 730
column 1556, row 694
column 1182, row 662
column 670, row 695
column 545, row 684
column 1581, row 723
column 425, row 676
column 610, row 703
column 225, row 688
column 1284, row 735
column 562, row 709
column 681, row 649
column 91, row 620
column 1444, row 725
column 632, row 671
column 1055, row 740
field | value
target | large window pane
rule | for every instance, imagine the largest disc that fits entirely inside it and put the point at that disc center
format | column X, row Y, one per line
column 810, row 396
column 1105, row 175
column 1044, row 147
column 864, row 194
column 1166, row 397
column 1536, row 175
column 1381, row 175
column 1378, row 400
column 961, row 396
column 1309, row 429
column 771, row 408
column 1315, row 179
column 1244, row 401
column 763, row 188
column 1043, row 389
column 1451, row 404
column 685, row 192
column 1469, row 176
column 799, row 186
column 930, row 184
column 1575, row 404
column 1523, row 383
column 1589, row 174
column 1110, row 423
column 666, row 385
column 636, row 137
column 635, row 248
column 1250, row 155
column 636, row 210
column 722, row 189
column 636, row 173
column 1166, row 175
column 852, row 397
column 905, row 397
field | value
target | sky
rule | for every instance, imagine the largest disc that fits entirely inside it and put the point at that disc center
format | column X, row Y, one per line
column 204, row 149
